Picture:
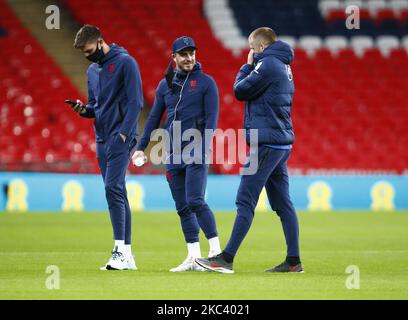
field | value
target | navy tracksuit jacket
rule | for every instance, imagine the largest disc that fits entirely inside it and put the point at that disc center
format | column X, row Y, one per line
column 197, row 107
column 115, row 99
column 268, row 90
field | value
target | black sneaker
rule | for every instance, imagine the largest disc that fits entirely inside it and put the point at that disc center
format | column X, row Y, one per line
column 216, row 263
column 286, row 267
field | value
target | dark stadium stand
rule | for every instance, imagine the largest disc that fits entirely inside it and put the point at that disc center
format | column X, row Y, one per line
column 290, row 17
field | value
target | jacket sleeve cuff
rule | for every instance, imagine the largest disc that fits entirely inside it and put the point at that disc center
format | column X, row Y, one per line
column 126, row 132
column 247, row 68
column 90, row 113
column 140, row 146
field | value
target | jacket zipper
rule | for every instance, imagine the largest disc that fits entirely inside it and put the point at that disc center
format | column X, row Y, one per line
column 99, row 96
column 120, row 112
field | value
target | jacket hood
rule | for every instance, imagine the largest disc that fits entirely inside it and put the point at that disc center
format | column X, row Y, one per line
column 279, row 49
column 113, row 52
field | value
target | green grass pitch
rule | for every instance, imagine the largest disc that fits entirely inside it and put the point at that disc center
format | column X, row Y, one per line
column 79, row 243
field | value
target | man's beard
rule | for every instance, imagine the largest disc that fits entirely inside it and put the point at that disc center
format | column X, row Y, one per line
column 183, row 67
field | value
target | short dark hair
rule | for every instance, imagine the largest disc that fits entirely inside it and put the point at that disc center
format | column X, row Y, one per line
column 265, row 34
column 86, row 34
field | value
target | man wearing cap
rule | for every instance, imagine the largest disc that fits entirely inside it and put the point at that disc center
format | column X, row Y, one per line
column 190, row 99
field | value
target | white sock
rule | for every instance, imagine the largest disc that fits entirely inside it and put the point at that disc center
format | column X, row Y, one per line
column 215, row 247
column 128, row 251
column 120, row 246
column 194, row 250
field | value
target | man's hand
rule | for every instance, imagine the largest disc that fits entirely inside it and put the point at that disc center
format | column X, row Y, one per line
column 77, row 106
column 251, row 57
column 124, row 137
column 139, row 158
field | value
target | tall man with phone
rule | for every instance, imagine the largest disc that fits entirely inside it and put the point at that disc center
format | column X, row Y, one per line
column 115, row 99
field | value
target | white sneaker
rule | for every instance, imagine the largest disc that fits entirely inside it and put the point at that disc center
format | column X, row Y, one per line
column 116, row 262
column 188, row 264
column 131, row 263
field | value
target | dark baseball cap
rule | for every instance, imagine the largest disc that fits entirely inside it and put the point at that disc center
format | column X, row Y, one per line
column 183, row 43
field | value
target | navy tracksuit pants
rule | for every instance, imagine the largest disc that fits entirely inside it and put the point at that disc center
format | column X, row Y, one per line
column 187, row 183
column 113, row 158
column 273, row 175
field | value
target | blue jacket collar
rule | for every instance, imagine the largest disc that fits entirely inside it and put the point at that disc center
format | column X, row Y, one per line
column 113, row 52
column 180, row 75
column 279, row 49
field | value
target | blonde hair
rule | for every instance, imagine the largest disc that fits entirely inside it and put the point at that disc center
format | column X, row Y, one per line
column 266, row 35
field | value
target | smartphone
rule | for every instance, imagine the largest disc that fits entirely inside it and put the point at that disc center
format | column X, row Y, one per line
column 80, row 109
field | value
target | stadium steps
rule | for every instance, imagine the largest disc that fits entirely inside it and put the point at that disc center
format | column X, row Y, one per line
column 56, row 42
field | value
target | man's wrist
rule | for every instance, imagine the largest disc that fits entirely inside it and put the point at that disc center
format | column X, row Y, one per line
column 247, row 68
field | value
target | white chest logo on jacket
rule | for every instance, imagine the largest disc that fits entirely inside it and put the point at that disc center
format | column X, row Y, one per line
column 258, row 66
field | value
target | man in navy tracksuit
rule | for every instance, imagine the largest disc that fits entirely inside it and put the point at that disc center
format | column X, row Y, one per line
column 114, row 101
column 266, row 84
column 190, row 99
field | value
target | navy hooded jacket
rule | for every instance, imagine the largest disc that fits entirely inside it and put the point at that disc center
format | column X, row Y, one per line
column 197, row 108
column 115, row 94
column 268, row 90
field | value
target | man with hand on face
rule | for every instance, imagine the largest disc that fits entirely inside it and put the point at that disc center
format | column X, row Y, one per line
column 190, row 99
column 266, row 84
column 115, row 99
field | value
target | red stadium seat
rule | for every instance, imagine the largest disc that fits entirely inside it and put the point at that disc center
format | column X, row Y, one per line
column 35, row 89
